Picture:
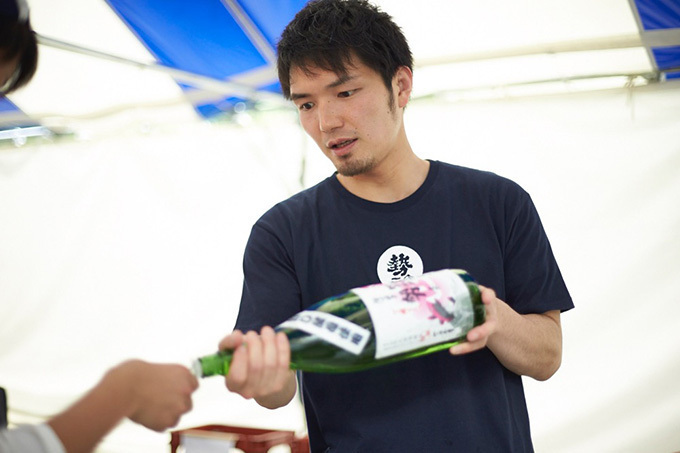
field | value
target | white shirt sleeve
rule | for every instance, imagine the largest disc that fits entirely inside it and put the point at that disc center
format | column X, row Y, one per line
column 30, row 438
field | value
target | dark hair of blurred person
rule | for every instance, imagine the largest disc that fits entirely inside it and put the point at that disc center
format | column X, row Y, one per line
column 18, row 46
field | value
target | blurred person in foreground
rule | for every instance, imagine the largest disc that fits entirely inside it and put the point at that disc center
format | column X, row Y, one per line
column 384, row 214
column 153, row 395
column 18, row 46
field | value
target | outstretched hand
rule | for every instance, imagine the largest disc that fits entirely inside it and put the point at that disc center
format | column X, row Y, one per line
column 160, row 393
column 153, row 395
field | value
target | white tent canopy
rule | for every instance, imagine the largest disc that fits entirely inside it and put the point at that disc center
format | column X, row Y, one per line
column 93, row 64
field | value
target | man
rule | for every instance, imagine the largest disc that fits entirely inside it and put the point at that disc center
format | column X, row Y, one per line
column 348, row 69
column 153, row 395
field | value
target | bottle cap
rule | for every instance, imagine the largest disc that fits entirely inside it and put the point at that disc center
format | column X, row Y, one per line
column 196, row 368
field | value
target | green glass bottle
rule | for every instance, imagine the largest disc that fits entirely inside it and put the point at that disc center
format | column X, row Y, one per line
column 376, row 324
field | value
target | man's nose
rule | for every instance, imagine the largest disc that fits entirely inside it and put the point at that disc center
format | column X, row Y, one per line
column 329, row 117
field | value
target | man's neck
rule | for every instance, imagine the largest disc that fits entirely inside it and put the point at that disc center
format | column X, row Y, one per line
column 391, row 182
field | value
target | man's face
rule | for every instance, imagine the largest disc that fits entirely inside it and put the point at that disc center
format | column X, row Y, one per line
column 352, row 117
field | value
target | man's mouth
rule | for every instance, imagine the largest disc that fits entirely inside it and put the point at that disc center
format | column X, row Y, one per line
column 341, row 144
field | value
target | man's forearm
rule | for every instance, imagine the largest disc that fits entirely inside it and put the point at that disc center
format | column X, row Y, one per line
column 529, row 345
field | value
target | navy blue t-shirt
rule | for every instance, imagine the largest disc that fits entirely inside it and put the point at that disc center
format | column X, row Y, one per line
column 324, row 241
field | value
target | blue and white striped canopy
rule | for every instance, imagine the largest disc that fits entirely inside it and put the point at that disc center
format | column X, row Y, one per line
column 659, row 22
column 220, row 54
column 218, row 39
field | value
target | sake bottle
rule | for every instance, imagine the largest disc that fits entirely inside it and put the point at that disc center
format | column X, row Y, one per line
column 376, row 324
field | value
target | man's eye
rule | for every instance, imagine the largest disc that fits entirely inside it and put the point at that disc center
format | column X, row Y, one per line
column 306, row 106
column 346, row 94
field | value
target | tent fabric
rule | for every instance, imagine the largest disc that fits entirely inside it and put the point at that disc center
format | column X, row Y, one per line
column 12, row 116
column 230, row 40
column 131, row 246
column 659, row 14
column 213, row 38
column 662, row 15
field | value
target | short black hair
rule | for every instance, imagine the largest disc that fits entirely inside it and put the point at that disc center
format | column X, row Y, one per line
column 328, row 33
column 17, row 39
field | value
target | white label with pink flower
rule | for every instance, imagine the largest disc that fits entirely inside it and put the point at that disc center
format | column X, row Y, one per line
column 418, row 312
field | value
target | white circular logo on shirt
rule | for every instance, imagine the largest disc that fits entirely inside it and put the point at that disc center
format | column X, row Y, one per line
column 398, row 263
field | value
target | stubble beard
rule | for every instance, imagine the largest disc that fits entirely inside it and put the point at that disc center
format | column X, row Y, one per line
column 350, row 166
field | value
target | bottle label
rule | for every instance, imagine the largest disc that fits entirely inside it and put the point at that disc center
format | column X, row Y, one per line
column 333, row 329
column 414, row 313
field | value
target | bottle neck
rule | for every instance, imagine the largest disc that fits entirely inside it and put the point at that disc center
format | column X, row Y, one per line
column 213, row 365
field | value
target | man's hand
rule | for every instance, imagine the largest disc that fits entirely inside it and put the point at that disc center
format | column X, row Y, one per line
column 478, row 336
column 526, row 344
column 260, row 367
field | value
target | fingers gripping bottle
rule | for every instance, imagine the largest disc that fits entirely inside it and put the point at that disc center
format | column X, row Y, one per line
column 376, row 324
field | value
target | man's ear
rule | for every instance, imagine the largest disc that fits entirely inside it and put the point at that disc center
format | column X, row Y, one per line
column 403, row 84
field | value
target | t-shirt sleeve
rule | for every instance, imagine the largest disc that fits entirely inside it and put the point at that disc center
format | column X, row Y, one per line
column 271, row 292
column 30, row 438
column 534, row 283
